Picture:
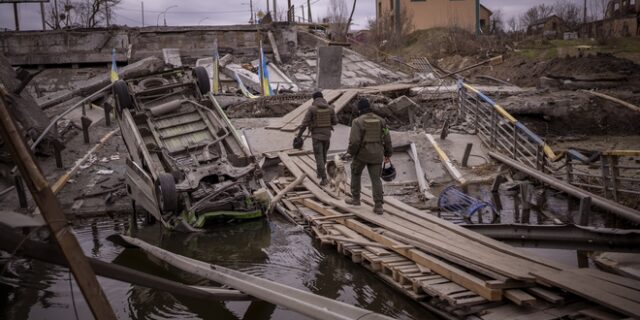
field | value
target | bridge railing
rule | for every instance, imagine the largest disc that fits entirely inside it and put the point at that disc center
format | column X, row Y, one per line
column 611, row 174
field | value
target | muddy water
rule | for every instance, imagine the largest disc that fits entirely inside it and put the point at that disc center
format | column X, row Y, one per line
column 274, row 250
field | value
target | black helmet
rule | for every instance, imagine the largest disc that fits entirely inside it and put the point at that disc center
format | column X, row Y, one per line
column 298, row 142
column 388, row 172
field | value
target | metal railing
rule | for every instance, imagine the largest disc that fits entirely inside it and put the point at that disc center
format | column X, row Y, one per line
column 612, row 174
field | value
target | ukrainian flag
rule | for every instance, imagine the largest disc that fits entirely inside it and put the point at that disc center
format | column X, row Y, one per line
column 114, row 67
column 266, row 87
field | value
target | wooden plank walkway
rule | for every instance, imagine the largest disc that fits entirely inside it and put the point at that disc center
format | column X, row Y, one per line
column 450, row 268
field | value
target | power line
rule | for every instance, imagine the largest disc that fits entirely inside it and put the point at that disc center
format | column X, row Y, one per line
column 188, row 12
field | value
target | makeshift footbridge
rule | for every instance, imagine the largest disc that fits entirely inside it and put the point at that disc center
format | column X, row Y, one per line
column 455, row 272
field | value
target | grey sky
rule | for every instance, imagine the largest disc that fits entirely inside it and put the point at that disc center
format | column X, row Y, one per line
column 225, row 12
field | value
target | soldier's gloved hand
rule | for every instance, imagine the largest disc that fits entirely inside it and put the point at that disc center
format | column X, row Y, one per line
column 345, row 156
column 387, row 159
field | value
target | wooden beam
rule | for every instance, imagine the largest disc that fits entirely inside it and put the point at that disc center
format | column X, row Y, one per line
column 284, row 191
column 519, row 297
column 590, row 290
column 54, row 216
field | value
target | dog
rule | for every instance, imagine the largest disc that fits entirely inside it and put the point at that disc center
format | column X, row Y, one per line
column 337, row 174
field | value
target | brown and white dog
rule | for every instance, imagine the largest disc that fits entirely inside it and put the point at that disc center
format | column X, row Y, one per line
column 337, row 173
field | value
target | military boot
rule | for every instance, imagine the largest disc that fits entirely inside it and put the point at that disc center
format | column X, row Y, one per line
column 324, row 182
column 377, row 208
column 352, row 201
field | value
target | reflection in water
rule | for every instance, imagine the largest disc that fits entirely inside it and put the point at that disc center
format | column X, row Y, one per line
column 274, row 250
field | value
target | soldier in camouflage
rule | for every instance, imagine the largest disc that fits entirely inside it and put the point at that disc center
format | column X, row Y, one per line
column 320, row 119
column 369, row 146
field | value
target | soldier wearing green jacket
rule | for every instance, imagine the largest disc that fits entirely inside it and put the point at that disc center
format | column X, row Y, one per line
column 369, row 146
column 320, row 119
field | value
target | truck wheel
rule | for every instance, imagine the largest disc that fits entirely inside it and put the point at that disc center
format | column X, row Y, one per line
column 202, row 79
column 166, row 193
column 121, row 92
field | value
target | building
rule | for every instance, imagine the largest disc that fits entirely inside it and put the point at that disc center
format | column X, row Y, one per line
column 549, row 27
column 426, row 14
column 621, row 19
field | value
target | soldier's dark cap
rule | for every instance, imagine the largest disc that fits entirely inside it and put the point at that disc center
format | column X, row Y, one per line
column 317, row 95
column 363, row 105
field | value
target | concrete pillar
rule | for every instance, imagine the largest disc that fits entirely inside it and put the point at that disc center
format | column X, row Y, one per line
column 329, row 67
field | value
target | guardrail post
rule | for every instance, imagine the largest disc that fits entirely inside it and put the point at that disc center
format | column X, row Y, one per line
column 584, row 211
column 526, row 205
column 467, row 153
column 461, row 103
column 615, row 172
column 605, row 176
column 57, row 152
column 22, row 195
column 568, row 168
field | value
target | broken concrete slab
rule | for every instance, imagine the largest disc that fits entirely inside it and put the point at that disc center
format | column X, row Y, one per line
column 137, row 69
column 329, row 68
column 172, row 56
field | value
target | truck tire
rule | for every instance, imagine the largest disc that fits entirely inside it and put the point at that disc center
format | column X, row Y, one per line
column 202, row 79
column 123, row 98
column 166, row 193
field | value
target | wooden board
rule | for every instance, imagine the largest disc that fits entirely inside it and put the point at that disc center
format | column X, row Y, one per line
column 590, row 289
column 519, row 297
column 547, row 295
column 293, row 125
column 344, row 99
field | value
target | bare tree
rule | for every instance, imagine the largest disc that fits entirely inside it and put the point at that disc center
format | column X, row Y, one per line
column 535, row 14
column 337, row 18
column 84, row 13
column 353, row 9
column 598, row 9
column 386, row 34
column 569, row 12
column 513, row 24
column 496, row 22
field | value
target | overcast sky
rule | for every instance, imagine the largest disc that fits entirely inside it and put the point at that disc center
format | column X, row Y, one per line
column 225, row 12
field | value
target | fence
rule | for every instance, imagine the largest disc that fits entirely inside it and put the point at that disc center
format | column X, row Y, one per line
column 612, row 174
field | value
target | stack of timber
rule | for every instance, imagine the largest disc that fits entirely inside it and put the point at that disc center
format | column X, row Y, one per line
column 450, row 270
column 338, row 98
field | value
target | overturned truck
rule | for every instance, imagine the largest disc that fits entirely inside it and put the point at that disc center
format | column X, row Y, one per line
column 187, row 165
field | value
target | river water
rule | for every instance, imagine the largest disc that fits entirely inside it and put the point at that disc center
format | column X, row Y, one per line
column 274, row 249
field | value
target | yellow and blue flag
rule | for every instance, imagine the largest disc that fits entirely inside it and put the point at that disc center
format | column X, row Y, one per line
column 114, row 67
column 264, row 74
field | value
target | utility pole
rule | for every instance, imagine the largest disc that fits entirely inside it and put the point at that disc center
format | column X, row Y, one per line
column 44, row 27
column 251, row 21
column 275, row 10
column 584, row 15
column 106, row 9
column 57, row 17
column 142, row 5
column 289, row 11
column 301, row 13
column 309, row 11
column 15, row 16
column 268, row 6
